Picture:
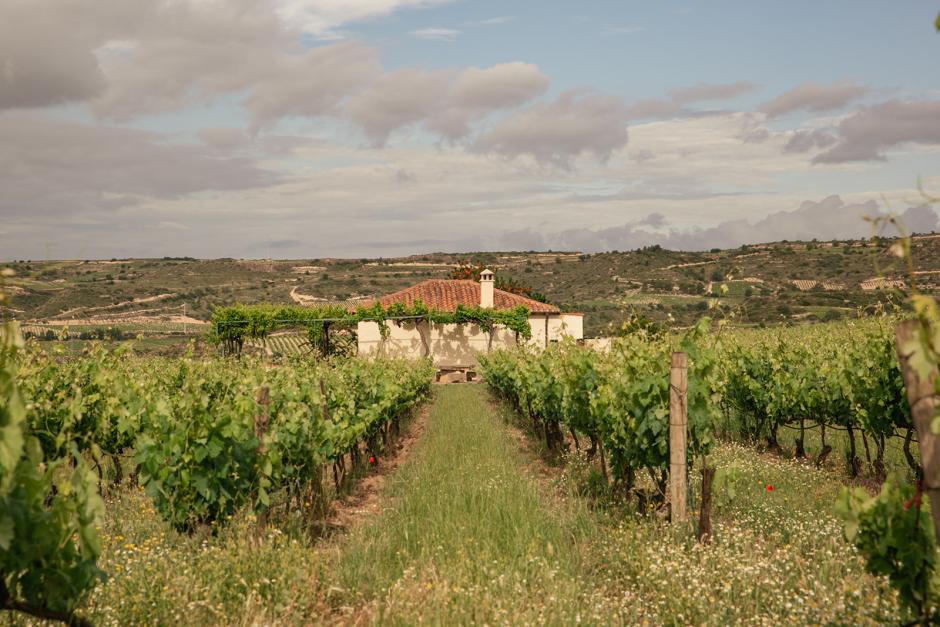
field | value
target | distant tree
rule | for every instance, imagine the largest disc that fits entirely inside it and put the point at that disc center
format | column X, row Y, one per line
column 471, row 271
column 514, row 286
column 468, row 271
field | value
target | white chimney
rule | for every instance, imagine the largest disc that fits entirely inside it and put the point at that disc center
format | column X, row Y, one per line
column 486, row 289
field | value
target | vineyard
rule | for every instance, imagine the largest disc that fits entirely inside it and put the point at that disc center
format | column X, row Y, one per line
column 284, row 345
column 619, row 401
column 205, row 439
column 746, row 384
column 218, row 478
column 440, row 313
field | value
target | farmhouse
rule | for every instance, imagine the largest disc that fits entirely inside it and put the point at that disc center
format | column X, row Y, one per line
column 457, row 345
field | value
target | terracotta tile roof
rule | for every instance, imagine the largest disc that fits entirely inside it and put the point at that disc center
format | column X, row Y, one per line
column 445, row 295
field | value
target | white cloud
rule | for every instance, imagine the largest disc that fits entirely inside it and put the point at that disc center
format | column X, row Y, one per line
column 129, row 58
column 49, row 166
column 445, row 101
column 711, row 91
column 312, row 84
column 323, row 17
column 436, row 34
column 115, row 47
column 499, row 86
column 336, row 200
column 866, row 134
column 674, row 106
column 554, row 133
column 492, row 21
column 653, row 108
column 172, row 226
column 812, row 96
column 397, row 99
column 806, row 140
column 62, row 68
column 827, row 219
column 224, row 140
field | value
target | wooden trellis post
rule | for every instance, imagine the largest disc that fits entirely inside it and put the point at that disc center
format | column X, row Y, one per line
column 923, row 400
column 261, row 428
column 678, row 423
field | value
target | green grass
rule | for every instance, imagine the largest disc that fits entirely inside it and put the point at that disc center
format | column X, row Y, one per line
column 475, row 528
column 836, row 462
column 470, row 534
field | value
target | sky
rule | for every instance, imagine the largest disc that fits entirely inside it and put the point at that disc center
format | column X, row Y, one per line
column 367, row 128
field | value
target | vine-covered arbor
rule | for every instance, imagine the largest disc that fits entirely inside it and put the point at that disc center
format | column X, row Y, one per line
column 233, row 325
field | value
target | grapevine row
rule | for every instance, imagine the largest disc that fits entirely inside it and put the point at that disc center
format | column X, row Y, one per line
column 204, row 442
column 618, row 400
column 206, row 438
column 841, row 376
column 746, row 383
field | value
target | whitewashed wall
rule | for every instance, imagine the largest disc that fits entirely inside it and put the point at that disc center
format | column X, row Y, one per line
column 456, row 344
column 449, row 344
column 559, row 325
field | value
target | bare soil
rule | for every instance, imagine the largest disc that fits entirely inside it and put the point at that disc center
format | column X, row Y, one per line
column 366, row 498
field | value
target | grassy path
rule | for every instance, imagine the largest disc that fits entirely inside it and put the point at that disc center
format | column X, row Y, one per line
column 470, row 534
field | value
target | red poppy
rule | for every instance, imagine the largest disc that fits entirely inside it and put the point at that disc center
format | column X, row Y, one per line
column 770, row 488
column 372, row 460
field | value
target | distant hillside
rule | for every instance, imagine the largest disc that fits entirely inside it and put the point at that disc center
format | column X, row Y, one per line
column 767, row 283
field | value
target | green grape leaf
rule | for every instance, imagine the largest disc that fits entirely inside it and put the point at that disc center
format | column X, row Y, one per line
column 6, row 531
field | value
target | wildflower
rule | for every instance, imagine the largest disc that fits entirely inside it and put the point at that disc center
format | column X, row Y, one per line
column 770, row 488
column 371, row 459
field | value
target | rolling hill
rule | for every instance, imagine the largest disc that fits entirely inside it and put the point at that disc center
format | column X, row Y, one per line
column 767, row 283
